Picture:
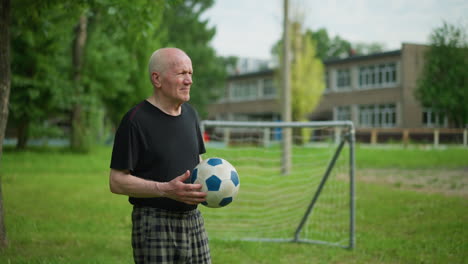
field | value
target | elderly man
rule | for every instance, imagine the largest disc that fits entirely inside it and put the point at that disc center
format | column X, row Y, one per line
column 157, row 144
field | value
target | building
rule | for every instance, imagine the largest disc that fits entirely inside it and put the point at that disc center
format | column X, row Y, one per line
column 375, row 91
column 248, row 97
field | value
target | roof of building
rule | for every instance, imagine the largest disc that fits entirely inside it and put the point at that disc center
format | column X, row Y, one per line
column 251, row 74
column 326, row 62
column 363, row 57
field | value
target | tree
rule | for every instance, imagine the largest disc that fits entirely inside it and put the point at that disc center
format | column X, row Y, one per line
column 443, row 85
column 307, row 83
column 128, row 40
column 39, row 60
column 112, row 46
column 367, row 48
column 338, row 47
column 82, row 62
column 79, row 128
column 329, row 47
column 6, row 11
column 5, row 76
column 307, row 71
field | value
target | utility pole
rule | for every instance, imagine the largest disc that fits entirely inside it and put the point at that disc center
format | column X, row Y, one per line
column 286, row 103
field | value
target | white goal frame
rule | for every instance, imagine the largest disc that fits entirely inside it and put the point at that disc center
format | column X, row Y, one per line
column 344, row 134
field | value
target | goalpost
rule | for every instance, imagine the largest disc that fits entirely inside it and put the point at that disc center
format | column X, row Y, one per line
column 313, row 203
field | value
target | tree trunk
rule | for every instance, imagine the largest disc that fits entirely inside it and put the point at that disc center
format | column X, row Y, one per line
column 5, row 77
column 78, row 128
column 22, row 134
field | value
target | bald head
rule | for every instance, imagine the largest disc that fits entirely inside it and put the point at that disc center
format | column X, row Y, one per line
column 163, row 58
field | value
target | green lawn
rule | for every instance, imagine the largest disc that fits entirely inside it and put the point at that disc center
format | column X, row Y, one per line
column 59, row 210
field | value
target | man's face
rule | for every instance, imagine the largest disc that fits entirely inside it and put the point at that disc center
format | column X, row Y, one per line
column 177, row 79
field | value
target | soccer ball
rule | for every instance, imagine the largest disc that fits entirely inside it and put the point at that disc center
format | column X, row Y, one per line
column 219, row 179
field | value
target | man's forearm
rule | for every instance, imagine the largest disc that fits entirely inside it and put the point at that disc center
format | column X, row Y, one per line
column 124, row 183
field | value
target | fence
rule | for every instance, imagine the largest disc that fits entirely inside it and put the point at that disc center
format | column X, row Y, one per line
column 434, row 136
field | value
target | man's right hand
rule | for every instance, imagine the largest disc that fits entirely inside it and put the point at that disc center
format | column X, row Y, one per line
column 177, row 190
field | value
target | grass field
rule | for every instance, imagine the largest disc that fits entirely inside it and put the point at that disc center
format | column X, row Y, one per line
column 412, row 207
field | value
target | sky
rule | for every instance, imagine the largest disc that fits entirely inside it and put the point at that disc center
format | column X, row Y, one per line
column 249, row 28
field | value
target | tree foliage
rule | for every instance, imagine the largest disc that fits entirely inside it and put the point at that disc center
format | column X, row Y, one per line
column 186, row 30
column 307, row 70
column 122, row 36
column 307, row 83
column 361, row 48
column 443, row 85
column 337, row 47
column 329, row 47
column 55, row 83
column 39, row 61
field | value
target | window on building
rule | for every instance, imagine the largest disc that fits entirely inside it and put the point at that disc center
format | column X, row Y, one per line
column 252, row 90
column 269, row 90
column 343, row 79
column 387, row 115
column 326, row 80
column 383, row 115
column 365, row 116
column 389, row 70
column 343, row 113
column 233, row 90
column 244, row 90
column 236, row 91
column 381, row 74
column 433, row 118
column 378, row 76
column 365, row 76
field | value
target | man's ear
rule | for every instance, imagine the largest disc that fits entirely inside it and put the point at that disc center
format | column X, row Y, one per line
column 156, row 79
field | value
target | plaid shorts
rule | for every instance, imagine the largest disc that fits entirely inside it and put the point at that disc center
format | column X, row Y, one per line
column 161, row 236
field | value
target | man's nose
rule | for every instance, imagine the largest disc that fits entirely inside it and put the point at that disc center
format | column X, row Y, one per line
column 188, row 79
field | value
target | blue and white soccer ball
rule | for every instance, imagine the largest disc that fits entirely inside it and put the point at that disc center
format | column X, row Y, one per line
column 219, row 179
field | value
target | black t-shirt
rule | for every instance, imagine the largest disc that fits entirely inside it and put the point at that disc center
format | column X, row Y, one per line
column 156, row 146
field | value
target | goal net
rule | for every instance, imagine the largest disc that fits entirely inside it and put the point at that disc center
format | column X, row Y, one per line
column 311, row 201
